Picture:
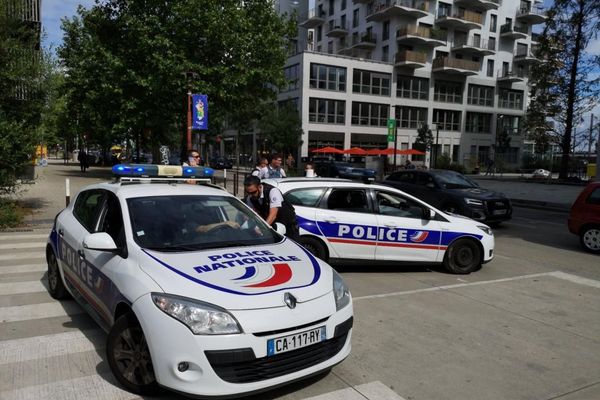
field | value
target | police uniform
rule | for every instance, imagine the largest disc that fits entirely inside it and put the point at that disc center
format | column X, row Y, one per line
column 270, row 197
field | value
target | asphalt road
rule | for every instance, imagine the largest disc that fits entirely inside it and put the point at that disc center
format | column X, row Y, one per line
column 526, row 326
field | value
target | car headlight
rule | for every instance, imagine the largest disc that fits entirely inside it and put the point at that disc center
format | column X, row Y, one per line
column 340, row 292
column 486, row 229
column 201, row 318
column 474, row 202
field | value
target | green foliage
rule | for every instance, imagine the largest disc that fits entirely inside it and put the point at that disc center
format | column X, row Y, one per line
column 11, row 214
column 424, row 139
column 282, row 127
column 445, row 162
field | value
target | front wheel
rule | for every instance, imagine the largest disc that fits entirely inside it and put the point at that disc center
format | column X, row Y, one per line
column 463, row 257
column 590, row 239
column 314, row 246
column 129, row 357
column 56, row 287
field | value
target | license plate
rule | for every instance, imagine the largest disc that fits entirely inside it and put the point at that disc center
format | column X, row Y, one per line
column 295, row 341
column 499, row 212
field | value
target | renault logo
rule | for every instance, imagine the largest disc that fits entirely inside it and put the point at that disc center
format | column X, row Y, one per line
column 289, row 300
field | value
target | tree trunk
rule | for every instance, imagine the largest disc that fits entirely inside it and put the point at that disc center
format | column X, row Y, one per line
column 566, row 144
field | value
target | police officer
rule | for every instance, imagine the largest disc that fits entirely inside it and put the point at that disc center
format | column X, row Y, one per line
column 269, row 203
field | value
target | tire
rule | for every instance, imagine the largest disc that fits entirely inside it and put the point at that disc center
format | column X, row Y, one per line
column 590, row 239
column 56, row 287
column 315, row 247
column 129, row 357
column 463, row 257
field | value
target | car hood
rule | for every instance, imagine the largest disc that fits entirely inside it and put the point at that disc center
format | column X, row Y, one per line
column 241, row 278
column 477, row 193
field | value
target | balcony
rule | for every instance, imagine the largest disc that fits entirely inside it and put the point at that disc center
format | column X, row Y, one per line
column 410, row 59
column 455, row 66
column 362, row 1
column 524, row 56
column 475, row 46
column 513, row 32
column 535, row 37
column 420, row 35
column 459, row 18
column 314, row 18
column 386, row 9
column 337, row 29
column 484, row 5
column 505, row 76
column 364, row 41
column 529, row 14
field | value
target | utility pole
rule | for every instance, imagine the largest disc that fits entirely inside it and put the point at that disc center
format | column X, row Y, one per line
column 437, row 138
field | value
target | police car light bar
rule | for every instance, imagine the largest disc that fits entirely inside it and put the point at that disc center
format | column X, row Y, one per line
column 161, row 171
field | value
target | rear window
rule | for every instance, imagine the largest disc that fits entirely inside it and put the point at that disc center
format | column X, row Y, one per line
column 594, row 197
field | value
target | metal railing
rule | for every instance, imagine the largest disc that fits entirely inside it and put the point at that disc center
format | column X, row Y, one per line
column 476, row 42
column 509, row 27
column 382, row 5
column 465, row 15
column 502, row 74
column 527, row 8
column 364, row 38
column 336, row 25
column 422, row 31
column 446, row 62
column 313, row 13
column 410, row 56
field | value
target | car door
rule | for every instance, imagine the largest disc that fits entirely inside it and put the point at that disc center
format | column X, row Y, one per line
column 426, row 189
column 345, row 217
column 405, row 232
column 305, row 202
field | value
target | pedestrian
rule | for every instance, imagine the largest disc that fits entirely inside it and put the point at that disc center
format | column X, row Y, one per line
column 83, row 161
column 289, row 162
column 268, row 202
column 275, row 169
column 490, row 167
column 260, row 169
column 193, row 159
column 309, row 170
column 409, row 165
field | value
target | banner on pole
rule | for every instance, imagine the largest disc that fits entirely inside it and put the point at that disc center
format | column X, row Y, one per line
column 391, row 133
column 200, row 111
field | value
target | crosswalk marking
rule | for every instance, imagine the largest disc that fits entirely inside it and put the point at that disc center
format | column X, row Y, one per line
column 368, row 391
column 25, row 237
column 15, row 269
column 23, row 256
column 20, row 246
column 38, row 311
column 59, row 344
column 21, row 287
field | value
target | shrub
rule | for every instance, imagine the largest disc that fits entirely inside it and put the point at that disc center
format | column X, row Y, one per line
column 11, row 214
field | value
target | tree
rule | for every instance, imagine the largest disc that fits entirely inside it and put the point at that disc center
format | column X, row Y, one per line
column 424, row 140
column 563, row 88
column 282, row 127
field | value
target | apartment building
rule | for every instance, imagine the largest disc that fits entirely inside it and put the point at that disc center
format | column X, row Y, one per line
column 459, row 66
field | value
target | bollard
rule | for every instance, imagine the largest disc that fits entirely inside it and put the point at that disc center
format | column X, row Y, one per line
column 235, row 178
column 68, row 192
column 225, row 179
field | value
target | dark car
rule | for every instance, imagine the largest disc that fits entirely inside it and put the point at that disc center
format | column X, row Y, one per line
column 584, row 219
column 453, row 192
column 220, row 163
column 339, row 169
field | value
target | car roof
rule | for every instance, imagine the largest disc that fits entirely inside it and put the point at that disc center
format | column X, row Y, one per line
column 290, row 183
column 131, row 190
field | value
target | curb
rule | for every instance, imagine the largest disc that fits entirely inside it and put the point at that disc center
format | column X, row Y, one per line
column 542, row 205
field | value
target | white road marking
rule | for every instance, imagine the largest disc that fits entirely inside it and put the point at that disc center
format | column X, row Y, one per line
column 368, row 391
column 22, row 256
column 39, row 347
column 15, row 269
column 39, row 311
column 25, row 237
column 534, row 222
column 555, row 274
column 18, row 246
column 21, row 287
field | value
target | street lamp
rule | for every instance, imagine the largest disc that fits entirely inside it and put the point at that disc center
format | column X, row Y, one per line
column 189, row 75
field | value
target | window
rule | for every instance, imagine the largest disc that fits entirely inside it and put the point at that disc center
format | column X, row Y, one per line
column 594, row 197
column 370, row 114
column 292, row 74
column 446, row 120
column 406, row 177
column 319, row 33
column 330, row 47
column 343, row 7
column 493, row 23
column 449, row 92
column 355, row 16
column 478, row 123
column 326, row 111
column 86, row 208
column 509, row 125
column 410, row 87
column 305, row 197
column 490, row 68
column 411, row 117
column 385, row 30
column 395, row 205
column 331, row 5
column 368, row 82
column 327, row 77
column 491, row 43
column 353, row 200
column 112, row 221
column 480, row 95
column 385, row 53
column 512, row 99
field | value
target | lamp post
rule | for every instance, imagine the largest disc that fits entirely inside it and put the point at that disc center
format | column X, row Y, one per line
column 189, row 76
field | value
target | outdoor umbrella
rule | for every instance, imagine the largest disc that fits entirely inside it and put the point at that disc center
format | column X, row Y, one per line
column 357, row 151
column 383, row 152
column 328, row 149
column 411, row 152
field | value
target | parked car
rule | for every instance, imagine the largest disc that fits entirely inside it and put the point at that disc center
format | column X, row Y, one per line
column 354, row 222
column 584, row 219
column 340, row 169
column 220, row 163
column 453, row 192
column 540, row 174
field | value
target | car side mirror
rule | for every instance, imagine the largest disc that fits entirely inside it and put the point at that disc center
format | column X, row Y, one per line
column 280, row 228
column 100, row 241
column 428, row 213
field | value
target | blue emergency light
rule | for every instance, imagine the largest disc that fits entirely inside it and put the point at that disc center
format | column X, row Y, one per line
column 163, row 171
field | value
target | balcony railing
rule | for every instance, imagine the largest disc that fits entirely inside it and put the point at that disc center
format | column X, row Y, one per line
column 527, row 8
column 364, row 38
column 313, row 13
column 505, row 74
column 422, row 31
column 476, row 42
column 410, row 56
column 446, row 62
column 385, row 4
column 465, row 15
column 337, row 26
column 509, row 27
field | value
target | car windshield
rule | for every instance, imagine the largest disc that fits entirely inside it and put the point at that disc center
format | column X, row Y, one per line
column 343, row 164
column 453, row 180
column 190, row 223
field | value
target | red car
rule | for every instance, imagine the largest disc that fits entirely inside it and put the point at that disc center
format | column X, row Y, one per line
column 584, row 219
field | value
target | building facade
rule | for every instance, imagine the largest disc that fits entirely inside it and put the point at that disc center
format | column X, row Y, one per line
column 458, row 66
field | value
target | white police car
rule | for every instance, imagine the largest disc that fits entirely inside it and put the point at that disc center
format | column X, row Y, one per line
column 348, row 221
column 197, row 293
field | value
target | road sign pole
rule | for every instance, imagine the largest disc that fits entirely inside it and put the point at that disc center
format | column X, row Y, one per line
column 392, row 133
